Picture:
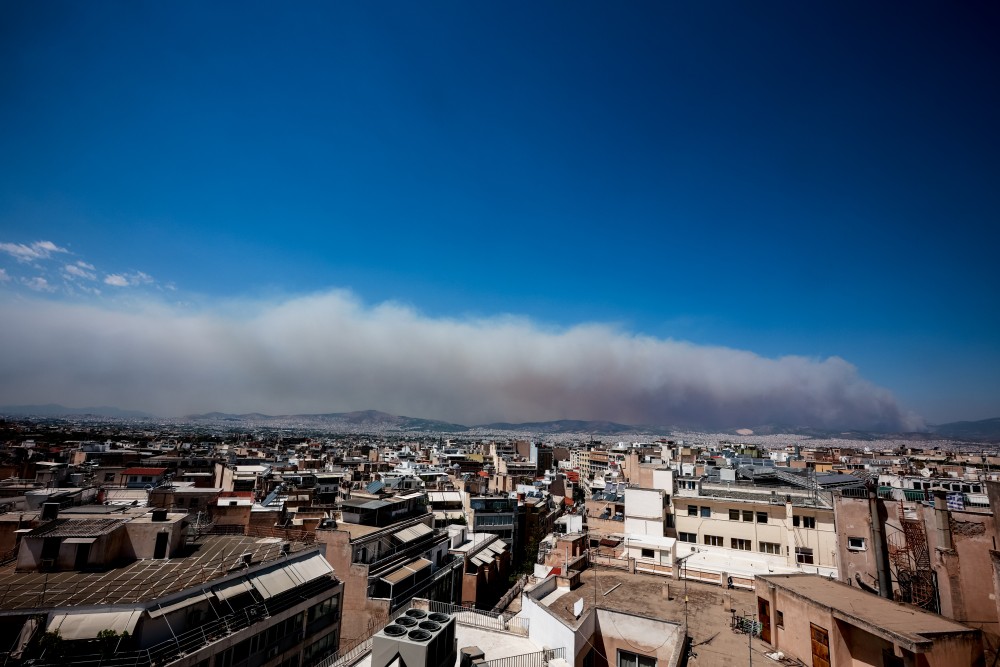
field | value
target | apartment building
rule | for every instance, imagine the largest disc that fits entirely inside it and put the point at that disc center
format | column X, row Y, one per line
column 744, row 530
column 129, row 583
column 387, row 552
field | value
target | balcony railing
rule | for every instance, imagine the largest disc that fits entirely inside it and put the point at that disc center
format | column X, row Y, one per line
column 196, row 639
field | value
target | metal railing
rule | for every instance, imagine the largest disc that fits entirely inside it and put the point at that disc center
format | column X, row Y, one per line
column 191, row 641
column 478, row 618
column 514, row 591
column 350, row 655
column 537, row 659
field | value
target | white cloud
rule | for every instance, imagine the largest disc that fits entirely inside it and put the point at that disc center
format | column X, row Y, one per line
column 116, row 280
column 39, row 284
column 80, row 270
column 329, row 353
column 3, row 276
column 128, row 279
column 29, row 253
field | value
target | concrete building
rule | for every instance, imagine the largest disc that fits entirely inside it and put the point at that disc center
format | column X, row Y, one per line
column 386, row 558
column 924, row 552
column 223, row 600
column 742, row 530
column 486, row 562
column 494, row 514
column 828, row 624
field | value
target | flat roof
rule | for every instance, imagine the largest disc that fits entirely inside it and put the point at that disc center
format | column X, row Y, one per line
column 212, row 557
column 901, row 622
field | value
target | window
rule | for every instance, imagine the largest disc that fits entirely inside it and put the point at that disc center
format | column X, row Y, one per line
column 856, row 543
column 804, row 555
column 748, row 515
column 761, row 517
column 688, row 537
column 647, row 553
column 780, row 621
column 714, row 540
column 770, row 548
column 742, row 545
column 706, row 512
column 734, row 515
column 626, row 659
column 692, row 510
column 803, row 521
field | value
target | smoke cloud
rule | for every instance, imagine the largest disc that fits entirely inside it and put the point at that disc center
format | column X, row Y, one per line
column 330, row 353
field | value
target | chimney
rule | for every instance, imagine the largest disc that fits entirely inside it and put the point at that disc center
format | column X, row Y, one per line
column 50, row 511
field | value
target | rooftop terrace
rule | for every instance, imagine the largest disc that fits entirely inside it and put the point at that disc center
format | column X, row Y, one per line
column 211, row 557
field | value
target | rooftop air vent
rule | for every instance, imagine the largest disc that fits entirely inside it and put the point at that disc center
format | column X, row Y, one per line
column 416, row 613
column 438, row 617
column 395, row 630
column 419, row 635
column 430, row 625
column 406, row 622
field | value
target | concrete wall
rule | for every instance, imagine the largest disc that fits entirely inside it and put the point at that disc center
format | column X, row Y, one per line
column 853, row 518
column 141, row 536
column 618, row 631
column 961, row 570
column 645, row 504
column 852, row 645
column 779, row 528
column 546, row 629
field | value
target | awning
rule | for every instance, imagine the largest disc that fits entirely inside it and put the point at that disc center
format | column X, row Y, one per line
column 399, row 574
column 497, row 546
column 232, row 588
column 311, row 568
column 483, row 557
column 179, row 604
column 273, row 582
column 88, row 625
column 79, row 540
column 24, row 637
column 413, row 533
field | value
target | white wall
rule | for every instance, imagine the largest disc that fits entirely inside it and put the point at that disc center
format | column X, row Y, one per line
column 544, row 628
column 664, row 479
column 643, row 527
column 644, row 503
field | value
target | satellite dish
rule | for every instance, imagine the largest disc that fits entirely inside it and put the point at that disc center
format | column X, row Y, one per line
column 578, row 608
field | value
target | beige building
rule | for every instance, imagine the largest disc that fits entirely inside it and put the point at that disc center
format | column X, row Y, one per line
column 830, row 624
column 750, row 530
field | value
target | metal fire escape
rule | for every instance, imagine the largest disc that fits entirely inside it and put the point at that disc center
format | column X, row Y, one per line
column 910, row 562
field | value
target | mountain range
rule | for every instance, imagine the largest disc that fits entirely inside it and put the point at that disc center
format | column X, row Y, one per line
column 981, row 430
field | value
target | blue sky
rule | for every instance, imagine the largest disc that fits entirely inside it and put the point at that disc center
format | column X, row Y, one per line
column 782, row 179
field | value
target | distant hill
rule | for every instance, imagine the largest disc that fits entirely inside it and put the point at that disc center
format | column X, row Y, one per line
column 368, row 419
column 984, row 429
column 570, row 426
column 55, row 410
column 987, row 430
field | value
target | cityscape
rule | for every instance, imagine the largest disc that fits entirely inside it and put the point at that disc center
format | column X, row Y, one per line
column 218, row 541
column 499, row 335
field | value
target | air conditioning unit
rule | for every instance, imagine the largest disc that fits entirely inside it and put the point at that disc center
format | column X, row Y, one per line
column 418, row 639
column 47, row 564
column 273, row 651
